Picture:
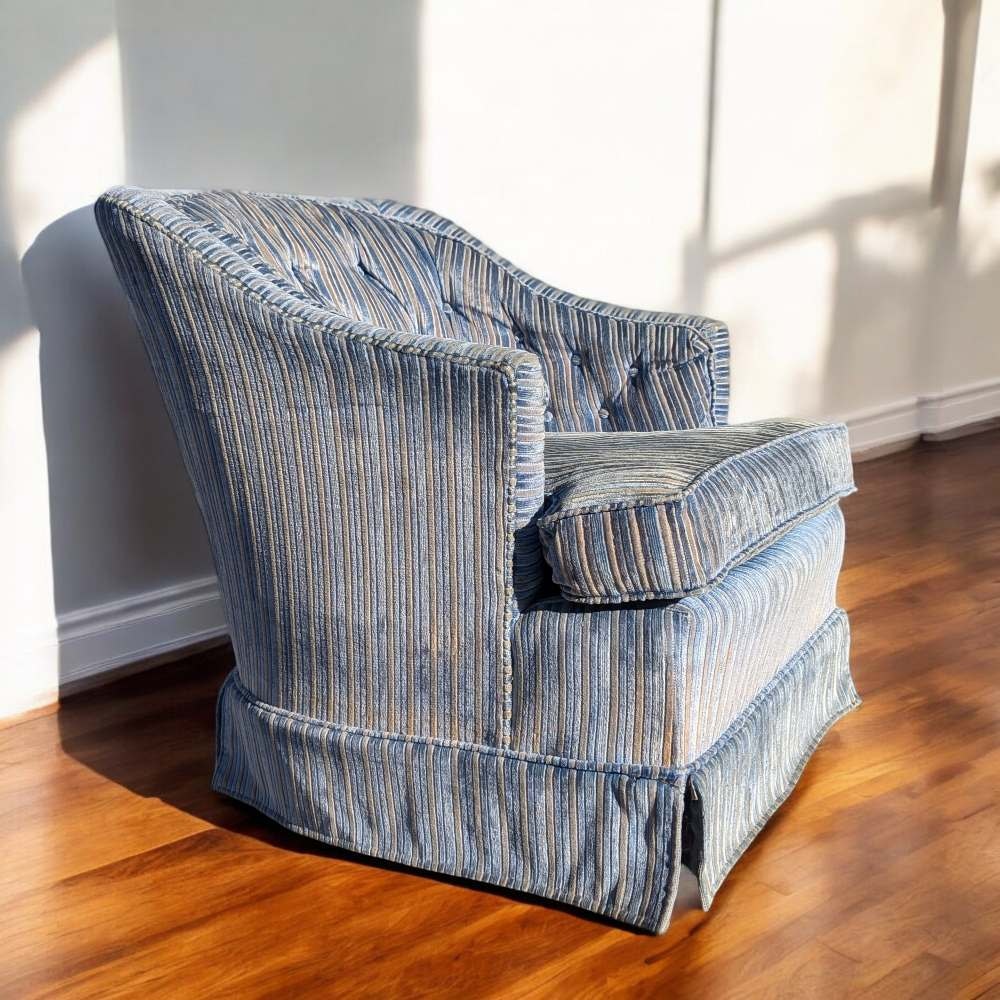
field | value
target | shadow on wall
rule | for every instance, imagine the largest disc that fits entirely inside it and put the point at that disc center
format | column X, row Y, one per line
column 315, row 98
column 120, row 505
column 898, row 266
column 907, row 268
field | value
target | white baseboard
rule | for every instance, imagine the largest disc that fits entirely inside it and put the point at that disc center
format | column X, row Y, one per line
column 945, row 411
column 935, row 413
column 95, row 640
column 881, row 426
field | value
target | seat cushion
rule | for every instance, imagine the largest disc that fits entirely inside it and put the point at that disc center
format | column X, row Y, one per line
column 655, row 516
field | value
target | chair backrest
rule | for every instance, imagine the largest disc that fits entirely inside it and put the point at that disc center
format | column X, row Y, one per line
column 395, row 267
column 362, row 260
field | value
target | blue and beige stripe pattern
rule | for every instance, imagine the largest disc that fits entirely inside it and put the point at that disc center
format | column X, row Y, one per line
column 659, row 682
column 369, row 403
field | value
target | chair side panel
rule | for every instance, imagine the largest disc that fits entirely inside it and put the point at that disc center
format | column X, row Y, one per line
column 356, row 499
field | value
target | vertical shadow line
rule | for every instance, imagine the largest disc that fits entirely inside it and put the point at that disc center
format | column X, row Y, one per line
column 958, row 67
column 710, row 112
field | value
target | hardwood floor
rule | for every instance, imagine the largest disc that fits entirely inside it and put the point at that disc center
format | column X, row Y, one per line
column 122, row 874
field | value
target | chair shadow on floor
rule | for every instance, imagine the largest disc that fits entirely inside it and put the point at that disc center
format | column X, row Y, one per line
column 153, row 733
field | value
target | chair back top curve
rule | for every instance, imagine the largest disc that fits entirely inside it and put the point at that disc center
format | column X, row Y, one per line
column 375, row 262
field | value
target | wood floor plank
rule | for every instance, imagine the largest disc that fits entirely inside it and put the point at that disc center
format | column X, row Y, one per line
column 122, row 874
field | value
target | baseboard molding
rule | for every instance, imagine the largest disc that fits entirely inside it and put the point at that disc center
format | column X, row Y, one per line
column 141, row 627
column 969, row 406
column 885, row 428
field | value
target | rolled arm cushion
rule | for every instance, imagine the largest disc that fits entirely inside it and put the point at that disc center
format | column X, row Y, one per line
column 656, row 516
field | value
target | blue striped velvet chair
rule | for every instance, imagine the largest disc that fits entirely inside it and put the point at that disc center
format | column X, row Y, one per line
column 509, row 600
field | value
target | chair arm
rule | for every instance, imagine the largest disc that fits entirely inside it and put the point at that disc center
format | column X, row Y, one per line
column 613, row 368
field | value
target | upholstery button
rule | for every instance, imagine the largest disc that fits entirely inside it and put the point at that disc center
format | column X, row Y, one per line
column 576, row 359
column 549, row 416
column 603, row 413
column 633, row 371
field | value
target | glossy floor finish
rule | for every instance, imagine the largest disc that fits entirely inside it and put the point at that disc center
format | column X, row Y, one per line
column 122, row 874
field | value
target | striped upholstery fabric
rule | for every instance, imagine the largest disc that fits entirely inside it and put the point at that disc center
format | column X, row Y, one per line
column 366, row 399
column 401, row 268
column 602, row 838
column 655, row 516
column 620, row 668
column 736, row 786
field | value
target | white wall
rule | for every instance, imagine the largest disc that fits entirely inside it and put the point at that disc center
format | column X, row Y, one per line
column 60, row 144
column 973, row 300
column 820, row 217
column 768, row 164
column 850, row 289
column 569, row 136
column 792, row 200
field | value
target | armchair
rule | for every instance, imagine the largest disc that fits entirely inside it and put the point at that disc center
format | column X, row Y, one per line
column 508, row 598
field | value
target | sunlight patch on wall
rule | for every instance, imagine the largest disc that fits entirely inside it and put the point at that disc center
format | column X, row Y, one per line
column 569, row 136
column 68, row 144
column 63, row 149
column 821, row 222
column 30, row 673
column 785, row 290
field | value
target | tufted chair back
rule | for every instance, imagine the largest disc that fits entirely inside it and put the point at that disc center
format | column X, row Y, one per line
column 346, row 257
column 406, row 269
